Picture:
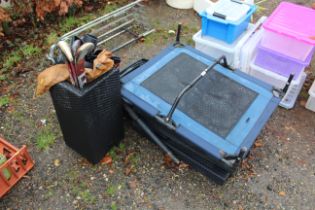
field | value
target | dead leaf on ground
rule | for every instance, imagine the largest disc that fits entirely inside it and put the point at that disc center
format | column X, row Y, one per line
column 133, row 184
column 258, row 143
column 57, row 162
column 108, row 160
column 168, row 161
column 129, row 169
column 127, row 158
column 183, row 166
column 282, row 193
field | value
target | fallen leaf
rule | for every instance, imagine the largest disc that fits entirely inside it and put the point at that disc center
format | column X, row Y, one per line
column 282, row 193
column 128, row 171
column 303, row 103
column 111, row 171
column 107, row 160
column 127, row 158
column 133, row 184
column 168, row 161
column 258, row 144
column 57, row 162
column 183, row 166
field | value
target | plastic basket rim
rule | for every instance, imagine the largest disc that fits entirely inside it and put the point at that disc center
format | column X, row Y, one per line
column 78, row 92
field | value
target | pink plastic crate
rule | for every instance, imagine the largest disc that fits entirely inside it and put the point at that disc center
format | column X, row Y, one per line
column 281, row 63
column 289, row 30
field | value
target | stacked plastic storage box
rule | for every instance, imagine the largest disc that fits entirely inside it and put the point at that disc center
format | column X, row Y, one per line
column 286, row 47
column 311, row 100
column 248, row 66
column 225, row 29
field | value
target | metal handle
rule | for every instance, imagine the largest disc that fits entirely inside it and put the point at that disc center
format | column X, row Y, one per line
column 193, row 83
column 132, row 67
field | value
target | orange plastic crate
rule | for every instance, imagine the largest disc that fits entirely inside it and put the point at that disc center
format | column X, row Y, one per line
column 18, row 164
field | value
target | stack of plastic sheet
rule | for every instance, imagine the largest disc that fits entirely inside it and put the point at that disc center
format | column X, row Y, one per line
column 215, row 123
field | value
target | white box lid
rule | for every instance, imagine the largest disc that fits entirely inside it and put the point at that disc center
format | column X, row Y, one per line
column 229, row 10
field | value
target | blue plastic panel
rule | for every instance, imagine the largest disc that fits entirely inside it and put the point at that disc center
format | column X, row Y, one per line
column 244, row 132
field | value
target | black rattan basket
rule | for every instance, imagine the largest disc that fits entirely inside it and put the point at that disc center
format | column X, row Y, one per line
column 90, row 119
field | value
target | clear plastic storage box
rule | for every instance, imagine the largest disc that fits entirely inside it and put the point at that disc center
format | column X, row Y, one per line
column 281, row 63
column 279, row 81
column 226, row 27
column 311, row 100
column 216, row 48
column 291, row 30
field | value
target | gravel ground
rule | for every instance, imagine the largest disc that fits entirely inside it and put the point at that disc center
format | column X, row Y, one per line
column 280, row 173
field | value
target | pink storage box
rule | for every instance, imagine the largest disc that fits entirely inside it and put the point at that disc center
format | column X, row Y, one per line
column 290, row 30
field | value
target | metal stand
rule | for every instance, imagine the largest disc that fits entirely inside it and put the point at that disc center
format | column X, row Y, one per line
column 114, row 30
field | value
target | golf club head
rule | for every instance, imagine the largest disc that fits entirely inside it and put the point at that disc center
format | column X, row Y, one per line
column 89, row 38
column 75, row 46
column 66, row 50
column 83, row 50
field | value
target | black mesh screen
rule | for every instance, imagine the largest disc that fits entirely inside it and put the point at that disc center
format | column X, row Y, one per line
column 216, row 102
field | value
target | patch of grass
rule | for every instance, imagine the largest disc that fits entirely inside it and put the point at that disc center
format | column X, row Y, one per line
column 113, row 153
column 12, row 59
column 190, row 41
column 111, row 190
column 30, row 50
column 122, row 146
column 69, row 23
column 16, row 56
column 87, row 197
column 109, row 8
column 51, row 38
column 45, row 138
column 84, row 193
column 72, row 22
column 134, row 159
column 113, row 206
column 3, row 77
column 155, row 37
column 4, row 101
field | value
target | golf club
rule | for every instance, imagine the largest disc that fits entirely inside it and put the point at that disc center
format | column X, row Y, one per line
column 66, row 51
column 75, row 46
column 83, row 50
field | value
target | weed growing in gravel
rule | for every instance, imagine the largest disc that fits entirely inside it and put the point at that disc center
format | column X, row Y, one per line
column 111, row 190
column 3, row 77
column 72, row 22
column 51, row 38
column 45, row 138
column 113, row 153
column 122, row 147
column 12, row 59
column 109, row 8
column 16, row 56
column 4, row 100
column 30, row 50
column 134, row 159
column 80, row 190
column 114, row 206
